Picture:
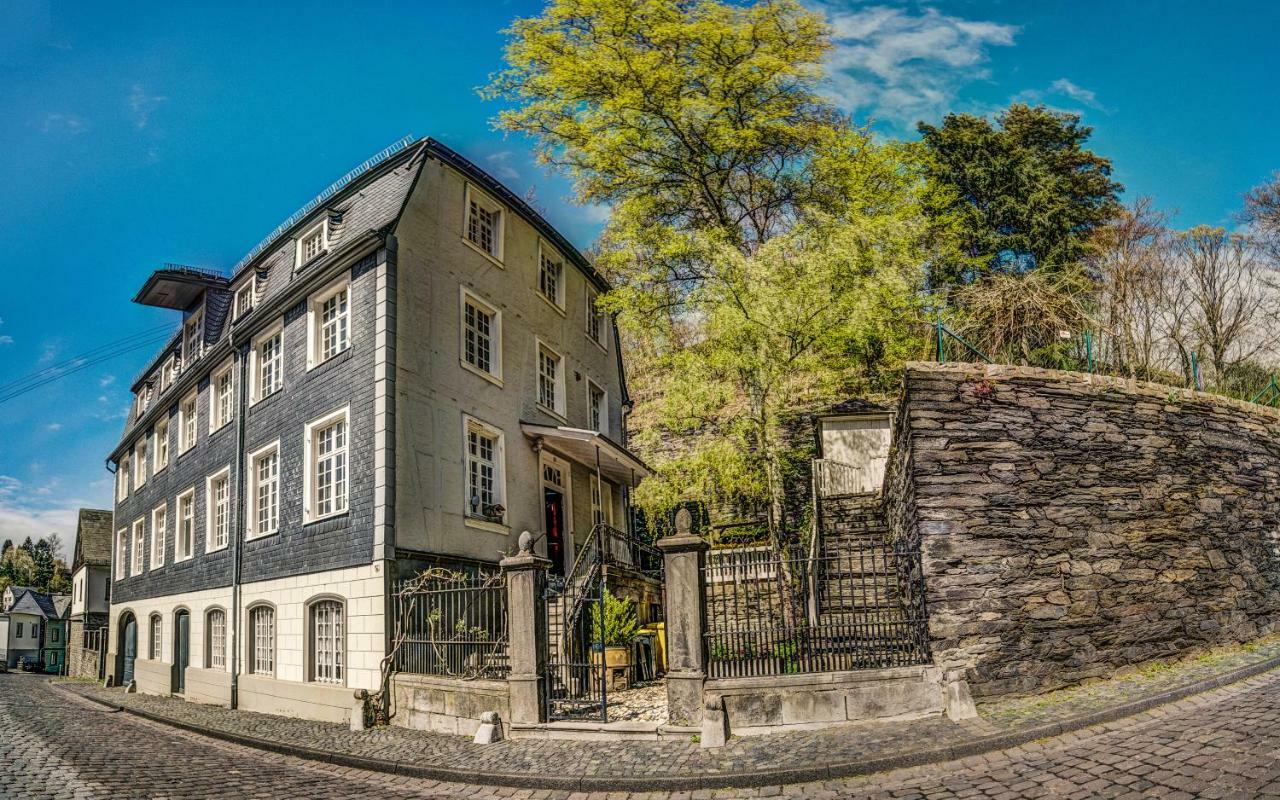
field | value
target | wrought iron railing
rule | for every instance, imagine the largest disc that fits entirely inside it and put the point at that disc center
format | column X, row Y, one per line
column 451, row 624
column 800, row 612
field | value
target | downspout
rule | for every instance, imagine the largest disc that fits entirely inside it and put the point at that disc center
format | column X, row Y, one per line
column 237, row 549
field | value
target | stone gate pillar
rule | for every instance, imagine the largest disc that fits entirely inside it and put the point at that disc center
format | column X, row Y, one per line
column 684, row 555
column 526, row 632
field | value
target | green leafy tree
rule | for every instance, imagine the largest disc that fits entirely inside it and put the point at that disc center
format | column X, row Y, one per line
column 765, row 251
column 1022, row 193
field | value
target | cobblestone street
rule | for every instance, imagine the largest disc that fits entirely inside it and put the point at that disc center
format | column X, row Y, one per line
column 1224, row 744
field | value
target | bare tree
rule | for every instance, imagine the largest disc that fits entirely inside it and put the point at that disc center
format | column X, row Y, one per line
column 1262, row 215
column 1129, row 261
column 1231, row 303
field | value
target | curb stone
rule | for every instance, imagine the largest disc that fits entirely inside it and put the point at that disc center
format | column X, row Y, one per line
column 728, row 780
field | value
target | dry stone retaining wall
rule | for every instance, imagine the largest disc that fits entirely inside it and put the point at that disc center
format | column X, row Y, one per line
column 1072, row 525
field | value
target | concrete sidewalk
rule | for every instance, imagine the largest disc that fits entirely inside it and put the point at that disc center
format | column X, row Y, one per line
column 675, row 764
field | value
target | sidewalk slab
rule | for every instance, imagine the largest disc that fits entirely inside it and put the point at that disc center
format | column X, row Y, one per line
column 679, row 763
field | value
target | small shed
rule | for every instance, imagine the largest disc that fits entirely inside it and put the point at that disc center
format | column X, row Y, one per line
column 853, row 447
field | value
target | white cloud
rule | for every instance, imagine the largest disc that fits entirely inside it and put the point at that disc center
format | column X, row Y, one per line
column 142, row 103
column 596, row 213
column 106, row 380
column 6, row 339
column 53, row 426
column 1075, row 92
column 64, row 123
column 1059, row 91
column 902, row 66
column 500, row 164
column 21, row 516
column 49, row 353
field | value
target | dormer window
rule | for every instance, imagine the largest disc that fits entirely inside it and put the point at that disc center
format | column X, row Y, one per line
column 166, row 373
column 244, row 298
column 312, row 243
column 194, row 338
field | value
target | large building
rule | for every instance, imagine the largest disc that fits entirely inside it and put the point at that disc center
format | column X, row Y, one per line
column 409, row 372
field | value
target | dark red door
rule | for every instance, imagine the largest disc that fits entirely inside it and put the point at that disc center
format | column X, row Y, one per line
column 554, row 511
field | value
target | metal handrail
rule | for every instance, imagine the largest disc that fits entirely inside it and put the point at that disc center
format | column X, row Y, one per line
column 944, row 331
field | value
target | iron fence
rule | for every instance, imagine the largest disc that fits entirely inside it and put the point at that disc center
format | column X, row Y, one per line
column 771, row 613
column 451, row 624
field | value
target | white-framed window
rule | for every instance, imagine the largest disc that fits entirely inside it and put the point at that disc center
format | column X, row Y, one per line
column 262, row 640
column 157, row 637
column 166, row 372
column 222, row 397
column 313, row 242
column 266, row 363
column 263, row 507
column 140, row 462
column 160, row 447
column 328, row 322
column 245, row 296
column 595, row 318
column 484, row 223
column 193, row 338
column 601, row 502
column 550, row 380
column 139, row 542
column 184, row 540
column 188, row 422
column 597, row 408
column 486, row 473
column 122, row 552
column 551, row 276
column 328, row 646
column 325, row 484
column 481, row 336
column 159, row 532
column 215, row 641
column 218, row 505
column 122, row 478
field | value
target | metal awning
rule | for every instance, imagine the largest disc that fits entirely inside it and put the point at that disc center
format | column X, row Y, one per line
column 590, row 449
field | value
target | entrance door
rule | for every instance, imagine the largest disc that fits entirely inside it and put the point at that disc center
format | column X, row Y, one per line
column 130, row 649
column 181, row 650
column 553, row 509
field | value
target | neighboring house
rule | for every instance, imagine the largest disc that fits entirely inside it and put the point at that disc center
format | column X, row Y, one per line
column 90, row 594
column 409, row 372
column 33, row 627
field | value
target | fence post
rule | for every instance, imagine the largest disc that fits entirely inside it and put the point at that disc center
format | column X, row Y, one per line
column 684, row 556
column 527, row 632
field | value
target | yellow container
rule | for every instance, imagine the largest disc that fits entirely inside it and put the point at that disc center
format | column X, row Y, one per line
column 659, row 631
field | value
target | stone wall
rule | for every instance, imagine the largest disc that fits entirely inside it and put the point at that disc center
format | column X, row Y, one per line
column 447, row 705
column 1072, row 525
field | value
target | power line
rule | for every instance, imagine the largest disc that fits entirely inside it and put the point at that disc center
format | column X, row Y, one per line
column 94, row 357
column 76, row 360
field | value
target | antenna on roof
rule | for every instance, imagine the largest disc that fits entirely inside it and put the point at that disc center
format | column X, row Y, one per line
column 334, row 188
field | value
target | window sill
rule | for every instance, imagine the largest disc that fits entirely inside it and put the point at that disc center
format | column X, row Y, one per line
column 488, row 376
column 253, row 537
column 336, row 358
column 485, row 525
column 190, row 449
column 497, row 262
column 216, row 549
column 300, row 265
column 553, row 412
column 559, row 309
column 258, row 401
column 220, row 428
column 596, row 342
column 310, row 520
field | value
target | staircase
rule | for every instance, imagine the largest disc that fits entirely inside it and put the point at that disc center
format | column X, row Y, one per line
column 859, row 605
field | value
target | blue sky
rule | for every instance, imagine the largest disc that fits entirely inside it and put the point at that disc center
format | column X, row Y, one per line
column 139, row 133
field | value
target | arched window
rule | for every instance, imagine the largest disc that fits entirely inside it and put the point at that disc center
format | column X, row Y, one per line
column 157, row 637
column 328, row 645
column 215, row 643
column 262, row 638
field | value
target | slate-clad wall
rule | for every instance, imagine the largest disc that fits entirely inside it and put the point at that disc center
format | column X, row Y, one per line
column 343, row 541
column 1072, row 524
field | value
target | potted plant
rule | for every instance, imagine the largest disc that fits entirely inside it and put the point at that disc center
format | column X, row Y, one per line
column 617, row 631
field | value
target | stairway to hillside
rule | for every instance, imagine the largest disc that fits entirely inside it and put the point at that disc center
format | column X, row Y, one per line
column 859, row 599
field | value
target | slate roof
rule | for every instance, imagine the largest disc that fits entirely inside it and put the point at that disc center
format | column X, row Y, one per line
column 62, row 605
column 855, row 405
column 49, row 606
column 93, row 539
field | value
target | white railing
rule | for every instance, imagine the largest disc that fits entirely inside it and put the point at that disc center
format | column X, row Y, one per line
column 836, row 477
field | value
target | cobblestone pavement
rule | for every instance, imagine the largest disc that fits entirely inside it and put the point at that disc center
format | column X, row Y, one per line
column 1222, row 744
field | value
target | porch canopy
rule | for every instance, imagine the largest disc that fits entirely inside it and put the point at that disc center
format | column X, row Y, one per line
column 590, row 449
